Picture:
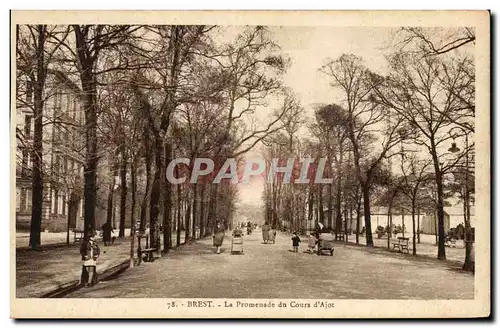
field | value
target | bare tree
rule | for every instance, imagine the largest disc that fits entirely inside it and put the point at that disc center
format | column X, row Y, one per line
column 415, row 91
column 332, row 122
column 363, row 116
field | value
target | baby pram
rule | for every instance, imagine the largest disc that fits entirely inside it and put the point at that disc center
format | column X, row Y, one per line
column 237, row 242
column 325, row 244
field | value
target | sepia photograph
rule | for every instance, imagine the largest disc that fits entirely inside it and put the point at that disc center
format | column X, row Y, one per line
column 250, row 164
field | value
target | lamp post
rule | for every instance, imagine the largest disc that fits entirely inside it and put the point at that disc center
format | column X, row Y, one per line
column 454, row 149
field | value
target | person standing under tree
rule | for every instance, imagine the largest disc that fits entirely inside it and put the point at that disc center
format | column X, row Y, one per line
column 295, row 242
column 107, row 231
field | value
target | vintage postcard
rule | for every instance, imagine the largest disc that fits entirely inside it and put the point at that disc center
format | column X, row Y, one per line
column 250, row 164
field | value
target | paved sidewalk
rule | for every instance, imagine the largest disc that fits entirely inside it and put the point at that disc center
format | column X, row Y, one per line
column 42, row 272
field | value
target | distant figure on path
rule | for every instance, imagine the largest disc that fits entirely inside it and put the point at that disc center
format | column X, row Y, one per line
column 295, row 242
column 272, row 235
column 311, row 242
column 90, row 253
column 106, row 233
column 265, row 232
column 219, row 236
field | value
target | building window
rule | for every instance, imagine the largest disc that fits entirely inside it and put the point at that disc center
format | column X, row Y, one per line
column 81, row 208
column 63, row 201
column 59, row 204
column 24, row 203
column 55, row 201
column 23, row 199
column 28, row 200
column 18, row 199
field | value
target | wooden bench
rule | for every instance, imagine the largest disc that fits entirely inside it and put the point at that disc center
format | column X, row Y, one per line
column 401, row 244
column 147, row 254
column 77, row 236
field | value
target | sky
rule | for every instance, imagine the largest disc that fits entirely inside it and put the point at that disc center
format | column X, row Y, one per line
column 308, row 49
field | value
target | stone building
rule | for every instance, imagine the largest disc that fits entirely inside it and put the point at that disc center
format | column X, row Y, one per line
column 63, row 149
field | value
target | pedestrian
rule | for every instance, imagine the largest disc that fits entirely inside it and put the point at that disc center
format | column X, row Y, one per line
column 106, row 233
column 265, row 232
column 272, row 234
column 311, row 242
column 89, row 250
column 113, row 236
column 218, row 236
column 295, row 242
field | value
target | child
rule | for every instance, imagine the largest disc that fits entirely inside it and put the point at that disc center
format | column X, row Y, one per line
column 311, row 243
column 295, row 242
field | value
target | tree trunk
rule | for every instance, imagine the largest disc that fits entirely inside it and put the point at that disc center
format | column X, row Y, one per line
column 132, row 207
column 403, row 221
column 338, row 215
column 202, row 211
column 310, row 209
column 344, row 223
column 350, row 218
column 167, row 204
column 274, row 213
column 187, row 217
column 37, row 154
column 123, row 196
column 338, row 204
column 320, row 207
column 366, row 209
column 89, row 88
column 358, row 221
column 133, row 177
column 330, row 207
column 72, row 212
column 418, row 226
column 156, row 191
column 194, row 211
column 178, row 232
column 212, row 211
column 389, row 224
column 440, row 202
column 144, row 204
column 109, row 213
column 468, row 239
column 413, row 210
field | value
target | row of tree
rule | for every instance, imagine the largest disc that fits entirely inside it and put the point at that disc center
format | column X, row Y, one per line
column 387, row 137
column 150, row 94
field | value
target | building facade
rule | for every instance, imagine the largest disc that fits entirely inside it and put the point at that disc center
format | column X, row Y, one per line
column 62, row 158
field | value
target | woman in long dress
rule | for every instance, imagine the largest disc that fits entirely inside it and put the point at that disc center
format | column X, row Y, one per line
column 265, row 232
column 219, row 236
